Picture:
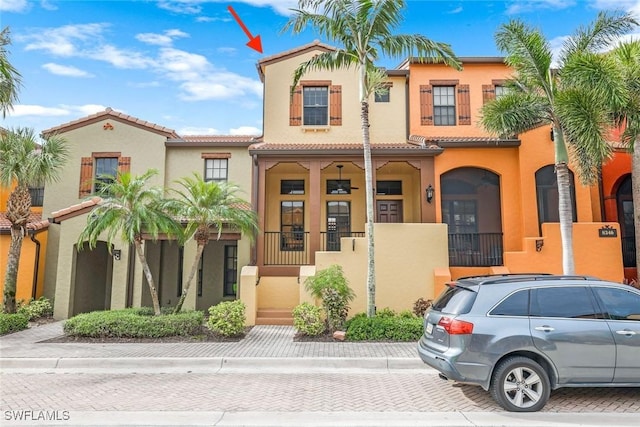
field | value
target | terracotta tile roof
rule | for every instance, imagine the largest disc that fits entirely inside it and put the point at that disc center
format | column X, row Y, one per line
column 35, row 223
column 339, row 147
column 75, row 210
column 448, row 141
column 109, row 113
column 216, row 139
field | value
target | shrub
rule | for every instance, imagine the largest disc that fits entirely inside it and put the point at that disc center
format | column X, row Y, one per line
column 386, row 312
column 331, row 286
column 384, row 328
column 133, row 323
column 13, row 322
column 420, row 306
column 307, row 319
column 36, row 309
column 227, row 318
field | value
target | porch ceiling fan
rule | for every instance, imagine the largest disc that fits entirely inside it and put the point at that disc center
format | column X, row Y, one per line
column 340, row 189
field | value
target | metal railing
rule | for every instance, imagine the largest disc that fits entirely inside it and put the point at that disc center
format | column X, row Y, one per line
column 330, row 240
column 291, row 248
column 475, row 249
column 629, row 251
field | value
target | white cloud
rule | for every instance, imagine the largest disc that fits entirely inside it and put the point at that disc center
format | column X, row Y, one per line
column 192, row 7
column 165, row 39
column 189, row 7
column 14, row 5
column 192, row 130
column 245, row 130
column 632, row 6
column 46, row 5
column 456, row 10
column 62, row 41
column 64, row 70
column 120, row 58
column 227, row 50
column 517, row 6
column 22, row 110
column 87, row 109
column 213, row 19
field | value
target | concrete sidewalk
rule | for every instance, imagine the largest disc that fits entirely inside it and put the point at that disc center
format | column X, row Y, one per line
column 264, row 347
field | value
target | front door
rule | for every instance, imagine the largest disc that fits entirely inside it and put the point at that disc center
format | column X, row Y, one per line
column 389, row 211
column 338, row 223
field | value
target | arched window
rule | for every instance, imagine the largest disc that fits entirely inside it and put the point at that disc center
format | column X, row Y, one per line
column 547, row 195
column 624, row 199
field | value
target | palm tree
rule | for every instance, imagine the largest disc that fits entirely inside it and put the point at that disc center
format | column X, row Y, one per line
column 627, row 58
column 128, row 210
column 24, row 162
column 364, row 30
column 206, row 204
column 9, row 76
column 573, row 98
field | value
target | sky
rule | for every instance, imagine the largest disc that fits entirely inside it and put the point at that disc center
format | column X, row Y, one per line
column 183, row 64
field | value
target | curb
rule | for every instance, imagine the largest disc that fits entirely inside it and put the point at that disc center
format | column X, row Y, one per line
column 210, row 364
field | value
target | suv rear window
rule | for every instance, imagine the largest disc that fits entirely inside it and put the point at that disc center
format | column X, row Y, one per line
column 455, row 300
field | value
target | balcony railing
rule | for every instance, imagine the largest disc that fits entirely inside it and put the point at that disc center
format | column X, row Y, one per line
column 330, row 240
column 475, row 249
column 629, row 251
column 291, row 248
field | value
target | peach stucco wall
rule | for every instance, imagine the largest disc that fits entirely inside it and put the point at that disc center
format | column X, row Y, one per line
column 26, row 268
column 613, row 173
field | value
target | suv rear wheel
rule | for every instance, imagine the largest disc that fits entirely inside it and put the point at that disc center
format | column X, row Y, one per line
column 520, row 384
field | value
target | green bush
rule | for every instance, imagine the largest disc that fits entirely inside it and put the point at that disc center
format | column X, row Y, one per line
column 386, row 312
column 133, row 323
column 336, row 309
column 227, row 318
column 332, row 287
column 13, row 322
column 307, row 319
column 36, row 309
column 384, row 328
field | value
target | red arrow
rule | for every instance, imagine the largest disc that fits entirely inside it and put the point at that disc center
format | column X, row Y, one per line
column 254, row 42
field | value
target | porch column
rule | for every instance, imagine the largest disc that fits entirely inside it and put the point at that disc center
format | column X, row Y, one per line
column 427, row 177
column 315, row 189
column 260, row 207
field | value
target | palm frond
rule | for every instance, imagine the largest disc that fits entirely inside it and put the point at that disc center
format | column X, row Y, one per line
column 515, row 113
column 10, row 78
column 419, row 48
column 328, row 61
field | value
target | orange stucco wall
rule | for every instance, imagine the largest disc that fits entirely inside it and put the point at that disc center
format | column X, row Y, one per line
column 27, row 265
column 613, row 172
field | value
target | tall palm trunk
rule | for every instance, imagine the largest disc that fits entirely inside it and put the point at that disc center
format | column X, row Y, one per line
column 565, row 210
column 147, row 274
column 18, row 211
column 635, row 193
column 368, row 171
column 192, row 273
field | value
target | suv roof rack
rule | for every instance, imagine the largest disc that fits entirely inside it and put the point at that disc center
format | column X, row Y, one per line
column 516, row 277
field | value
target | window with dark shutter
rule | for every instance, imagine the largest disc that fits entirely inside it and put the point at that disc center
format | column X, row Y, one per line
column 464, row 105
column 335, row 113
column 295, row 107
column 98, row 169
column 426, row 105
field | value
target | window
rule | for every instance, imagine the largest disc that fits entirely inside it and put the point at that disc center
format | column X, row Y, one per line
column 37, row 195
column 292, row 186
column 619, row 304
column 444, row 106
column 292, row 225
column 338, row 186
column 388, row 188
column 316, row 105
column 230, row 270
column 338, row 223
column 106, row 169
column 548, row 198
column 500, row 91
column 101, row 164
column 516, row 304
column 552, row 302
column 215, row 169
column 385, row 95
column 460, row 215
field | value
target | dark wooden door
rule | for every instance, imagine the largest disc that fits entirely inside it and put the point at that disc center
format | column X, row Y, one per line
column 389, row 211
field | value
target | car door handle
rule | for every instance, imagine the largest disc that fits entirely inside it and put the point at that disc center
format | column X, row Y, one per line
column 626, row 332
column 544, row 328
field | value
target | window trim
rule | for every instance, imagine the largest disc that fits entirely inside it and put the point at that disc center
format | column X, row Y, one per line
column 213, row 160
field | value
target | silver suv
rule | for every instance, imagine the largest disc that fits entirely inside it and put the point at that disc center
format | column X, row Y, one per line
column 521, row 336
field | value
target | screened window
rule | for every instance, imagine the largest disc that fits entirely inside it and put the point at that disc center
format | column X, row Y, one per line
column 316, row 105
column 216, row 169
column 292, row 225
column 444, row 106
column 389, row 188
column 106, row 170
column 460, row 215
column 548, row 198
column 292, row 186
column 383, row 96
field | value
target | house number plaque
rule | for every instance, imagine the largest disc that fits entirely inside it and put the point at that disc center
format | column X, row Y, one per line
column 607, row 231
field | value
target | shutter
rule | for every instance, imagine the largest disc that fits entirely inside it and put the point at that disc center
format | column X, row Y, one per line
column 335, row 105
column 86, row 177
column 124, row 164
column 464, row 105
column 295, row 107
column 488, row 93
column 426, row 105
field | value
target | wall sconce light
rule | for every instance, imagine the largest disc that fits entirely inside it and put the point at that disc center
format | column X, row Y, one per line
column 429, row 193
column 116, row 254
column 539, row 244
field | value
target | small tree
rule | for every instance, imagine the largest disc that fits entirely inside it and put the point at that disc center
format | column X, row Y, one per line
column 332, row 288
column 127, row 210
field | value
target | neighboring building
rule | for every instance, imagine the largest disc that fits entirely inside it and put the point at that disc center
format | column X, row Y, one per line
column 109, row 142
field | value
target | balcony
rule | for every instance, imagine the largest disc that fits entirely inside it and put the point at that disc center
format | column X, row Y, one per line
column 292, row 248
column 330, row 240
column 475, row 249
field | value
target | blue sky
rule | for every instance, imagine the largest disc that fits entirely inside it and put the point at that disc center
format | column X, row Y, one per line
column 183, row 64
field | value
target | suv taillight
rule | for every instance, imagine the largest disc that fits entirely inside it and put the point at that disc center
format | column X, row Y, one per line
column 455, row 327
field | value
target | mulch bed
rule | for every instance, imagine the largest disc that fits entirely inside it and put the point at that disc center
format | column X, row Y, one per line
column 205, row 335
